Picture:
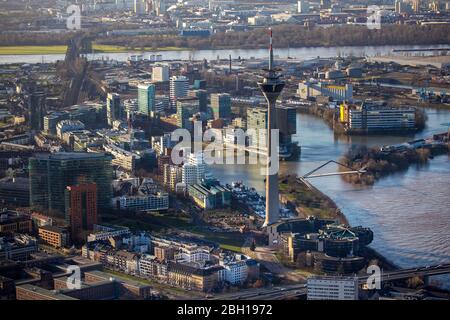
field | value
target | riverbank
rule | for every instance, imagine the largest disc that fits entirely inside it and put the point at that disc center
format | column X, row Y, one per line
column 307, row 200
column 96, row 48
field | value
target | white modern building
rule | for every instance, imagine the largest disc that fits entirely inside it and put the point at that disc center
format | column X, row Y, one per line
column 103, row 233
column 68, row 125
column 235, row 270
column 149, row 266
column 151, row 202
column 332, row 288
column 197, row 160
column 193, row 254
column 189, row 174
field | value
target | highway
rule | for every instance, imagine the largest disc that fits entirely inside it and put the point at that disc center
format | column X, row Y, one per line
column 276, row 293
column 412, row 272
column 295, row 290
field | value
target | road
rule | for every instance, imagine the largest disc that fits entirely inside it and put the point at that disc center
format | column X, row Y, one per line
column 412, row 272
column 275, row 293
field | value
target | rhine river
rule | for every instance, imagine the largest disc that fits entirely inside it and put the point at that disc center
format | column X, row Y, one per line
column 297, row 53
column 409, row 212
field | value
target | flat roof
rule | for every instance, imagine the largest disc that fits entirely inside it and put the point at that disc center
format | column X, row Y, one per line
column 50, row 294
column 69, row 155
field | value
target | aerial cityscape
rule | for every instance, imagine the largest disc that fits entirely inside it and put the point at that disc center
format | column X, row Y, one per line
column 206, row 150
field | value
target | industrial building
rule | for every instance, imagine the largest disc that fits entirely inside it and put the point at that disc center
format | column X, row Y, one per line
column 313, row 89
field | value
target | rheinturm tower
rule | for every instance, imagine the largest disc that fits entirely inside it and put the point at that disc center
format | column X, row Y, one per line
column 271, row 87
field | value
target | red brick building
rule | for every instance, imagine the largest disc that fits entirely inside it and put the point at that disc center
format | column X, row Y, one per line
column 81, row 208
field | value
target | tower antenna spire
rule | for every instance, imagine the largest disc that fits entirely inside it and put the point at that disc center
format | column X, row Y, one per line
column 271, row 87
column 270, row 50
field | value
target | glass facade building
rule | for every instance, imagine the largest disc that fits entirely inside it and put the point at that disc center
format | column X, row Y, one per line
column 50, row 174
column 146, row 99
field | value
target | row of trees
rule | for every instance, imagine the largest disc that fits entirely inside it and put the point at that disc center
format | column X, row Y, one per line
column 286, row 35
column 378, row 164
column 298, row 36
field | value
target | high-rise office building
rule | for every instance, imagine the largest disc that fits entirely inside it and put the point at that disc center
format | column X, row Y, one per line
column 189, row 174
column 257, row 120
column 221, row 105
column 403, row 7
column 140, row 7
column 113, row 108
column 160, row 73
column 325, row 4
column 159, row 7
column 416, row 6
column 37, row 110
column 50, row 174
column 202, row 96
column 271, row 87
column 186, row 108
column 287, row 122
column 302, row 6
column 197, row 160
column 146, row 99
column 81, row 208
column 178, row 88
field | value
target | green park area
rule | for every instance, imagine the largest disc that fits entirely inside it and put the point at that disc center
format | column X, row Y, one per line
column 61, row 49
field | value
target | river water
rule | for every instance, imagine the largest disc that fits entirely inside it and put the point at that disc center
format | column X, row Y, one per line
column 298, row 53
column 409, row 212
